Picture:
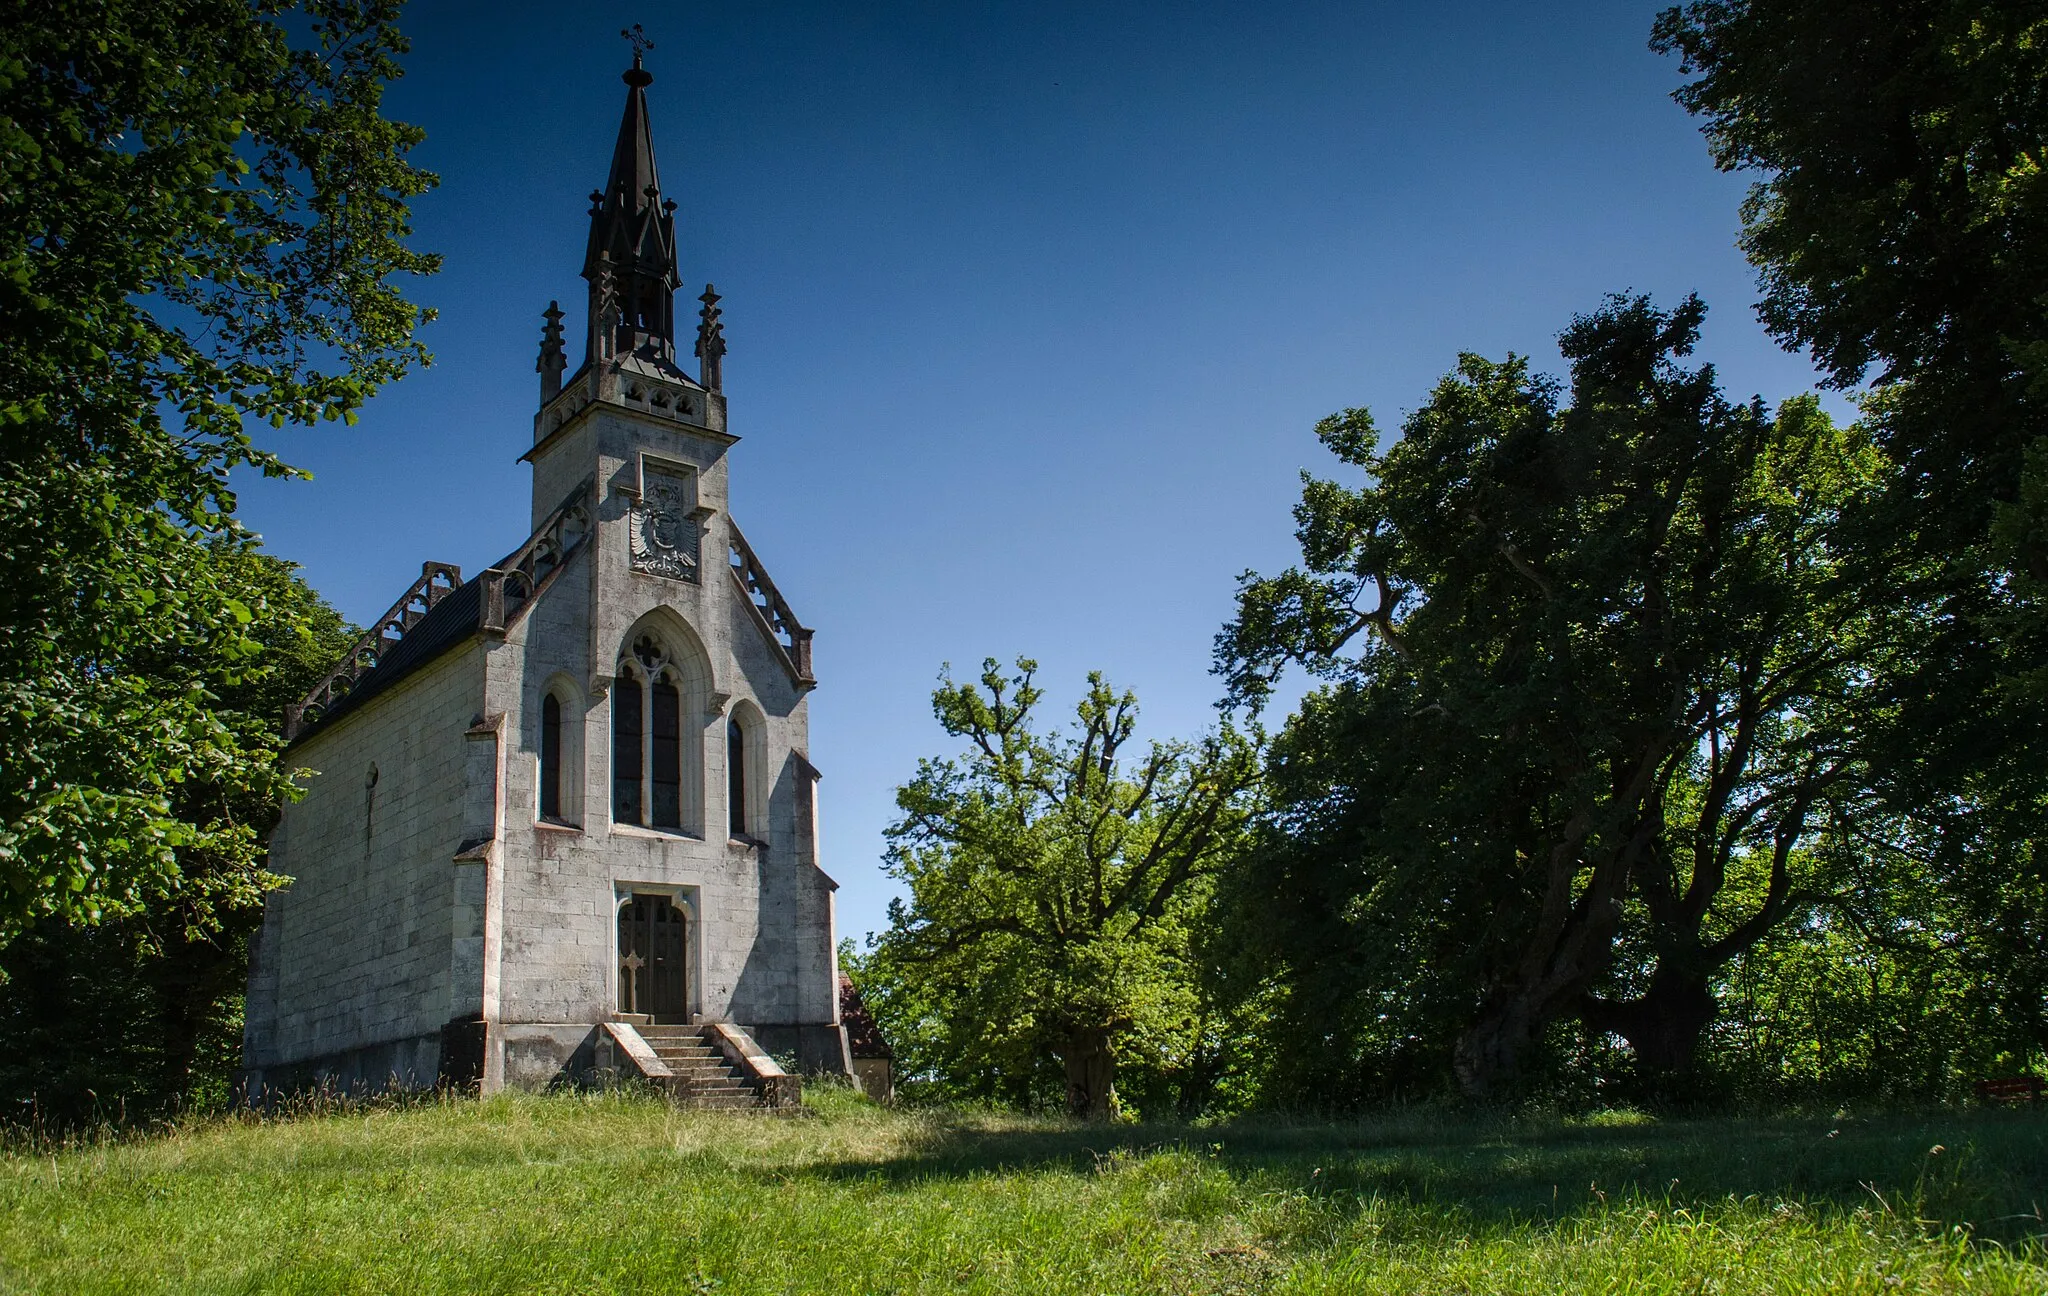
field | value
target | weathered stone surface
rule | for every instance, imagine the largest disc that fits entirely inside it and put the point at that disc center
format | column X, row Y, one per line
column 438, row 925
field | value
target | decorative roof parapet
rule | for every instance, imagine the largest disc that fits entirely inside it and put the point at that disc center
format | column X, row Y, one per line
column 491, row 603
column 437, row 581
column 511, row 584
column 787, row 633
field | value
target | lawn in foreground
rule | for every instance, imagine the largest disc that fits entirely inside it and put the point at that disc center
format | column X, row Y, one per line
column 622, row 1194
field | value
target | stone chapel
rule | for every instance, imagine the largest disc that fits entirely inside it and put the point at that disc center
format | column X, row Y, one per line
column 562, row 822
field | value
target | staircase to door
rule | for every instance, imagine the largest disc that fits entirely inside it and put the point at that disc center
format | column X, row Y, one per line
column 702, row 1076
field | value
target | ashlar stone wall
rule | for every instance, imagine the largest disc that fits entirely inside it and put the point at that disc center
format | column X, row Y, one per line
column 354, row 969
column 761, row 944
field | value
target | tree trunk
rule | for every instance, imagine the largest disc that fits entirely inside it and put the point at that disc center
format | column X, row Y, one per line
column 1488, row 1056
column 1663, row 1027
column 1091, row 1073
column 179, row 978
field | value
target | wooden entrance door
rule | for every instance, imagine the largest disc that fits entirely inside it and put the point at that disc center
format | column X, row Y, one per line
column 653, row 952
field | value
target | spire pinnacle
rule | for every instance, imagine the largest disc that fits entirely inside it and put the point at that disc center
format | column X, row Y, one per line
column 552, row 360
column 711, row 341
column 630, row 261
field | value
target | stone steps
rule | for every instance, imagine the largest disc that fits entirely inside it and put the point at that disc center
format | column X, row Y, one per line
column 702, row 1076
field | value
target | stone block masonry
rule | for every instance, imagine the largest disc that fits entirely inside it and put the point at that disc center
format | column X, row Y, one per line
column 574, row 789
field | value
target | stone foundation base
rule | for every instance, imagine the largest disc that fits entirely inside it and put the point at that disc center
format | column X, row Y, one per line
column 817, row 1048
column 508, row 1055
column 412, row 1063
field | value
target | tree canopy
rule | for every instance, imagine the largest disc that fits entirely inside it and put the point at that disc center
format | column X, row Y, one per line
column 1592, row 675
column 1053, row 888
column 1899, row 225
column 202, row 213
column 162, row 986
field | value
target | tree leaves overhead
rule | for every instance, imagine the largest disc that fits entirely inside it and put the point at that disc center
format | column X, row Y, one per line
column 1902, row 217
column 1900, row 230
column 201, row 215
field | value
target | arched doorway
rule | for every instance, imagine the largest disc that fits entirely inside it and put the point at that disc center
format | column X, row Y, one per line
column 654, row 959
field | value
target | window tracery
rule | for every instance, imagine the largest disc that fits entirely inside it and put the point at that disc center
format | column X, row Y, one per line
column 649, row 754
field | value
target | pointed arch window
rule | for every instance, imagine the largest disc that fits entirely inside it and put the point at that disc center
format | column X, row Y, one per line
column 551, row 757
column 649, row 754
column 736, row 778
column 746, row 778
column 558, row 750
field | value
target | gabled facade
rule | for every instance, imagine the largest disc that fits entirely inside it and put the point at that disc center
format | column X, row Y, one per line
column 571, row 793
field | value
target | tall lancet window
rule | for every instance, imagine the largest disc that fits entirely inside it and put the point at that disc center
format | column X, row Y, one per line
column 627, row 736
column 647, row 739
column 551, row 757
column 736, row 777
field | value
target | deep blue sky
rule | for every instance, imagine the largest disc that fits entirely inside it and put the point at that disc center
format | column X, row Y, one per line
column 1031, row 307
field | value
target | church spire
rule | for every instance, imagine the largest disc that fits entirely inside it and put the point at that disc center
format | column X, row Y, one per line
column 630, row 260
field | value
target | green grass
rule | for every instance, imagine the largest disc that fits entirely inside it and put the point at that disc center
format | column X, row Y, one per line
column 623, row 1194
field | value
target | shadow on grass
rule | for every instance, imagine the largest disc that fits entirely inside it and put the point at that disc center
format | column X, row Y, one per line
column 1984, row 1170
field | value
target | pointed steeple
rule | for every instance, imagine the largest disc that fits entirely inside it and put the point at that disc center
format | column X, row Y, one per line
column 630, row 260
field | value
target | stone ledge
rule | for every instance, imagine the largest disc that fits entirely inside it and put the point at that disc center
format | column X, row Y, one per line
column 637, row 1050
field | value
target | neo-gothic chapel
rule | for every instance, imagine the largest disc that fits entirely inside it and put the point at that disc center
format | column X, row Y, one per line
column 562, row 821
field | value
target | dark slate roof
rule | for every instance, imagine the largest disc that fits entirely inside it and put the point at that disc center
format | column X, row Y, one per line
column 450, row 622
column 863, row 1037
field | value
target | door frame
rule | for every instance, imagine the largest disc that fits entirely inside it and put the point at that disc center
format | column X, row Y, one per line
column 684, row 898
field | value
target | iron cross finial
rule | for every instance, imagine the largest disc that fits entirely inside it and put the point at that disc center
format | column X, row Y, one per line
column 637, row 37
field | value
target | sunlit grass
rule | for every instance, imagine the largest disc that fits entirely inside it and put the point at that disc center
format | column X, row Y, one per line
column 623, row 1194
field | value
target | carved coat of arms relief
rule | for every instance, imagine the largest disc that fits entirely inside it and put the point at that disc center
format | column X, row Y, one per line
column 665, row 540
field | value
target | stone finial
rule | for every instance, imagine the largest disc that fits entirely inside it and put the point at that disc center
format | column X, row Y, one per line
column 552, row 358
column 711, row 341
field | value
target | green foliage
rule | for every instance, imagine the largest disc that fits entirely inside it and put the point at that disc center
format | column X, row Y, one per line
column 1897, row 989
column 1900, row 229
column 618, row 1194
column 140, row 1014
column 1053, row 896
column 1902, row 217
column 1599, row 738
column 200, row 213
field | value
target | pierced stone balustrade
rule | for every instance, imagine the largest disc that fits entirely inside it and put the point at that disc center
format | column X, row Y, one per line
column 437, row 581
column 788, row 633
column 509, row 585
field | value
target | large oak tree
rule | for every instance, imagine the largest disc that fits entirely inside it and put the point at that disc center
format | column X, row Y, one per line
column 1588, row 727
column 1055, row 884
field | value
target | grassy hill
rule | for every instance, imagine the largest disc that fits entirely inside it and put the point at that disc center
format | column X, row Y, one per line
column 624, row 1194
